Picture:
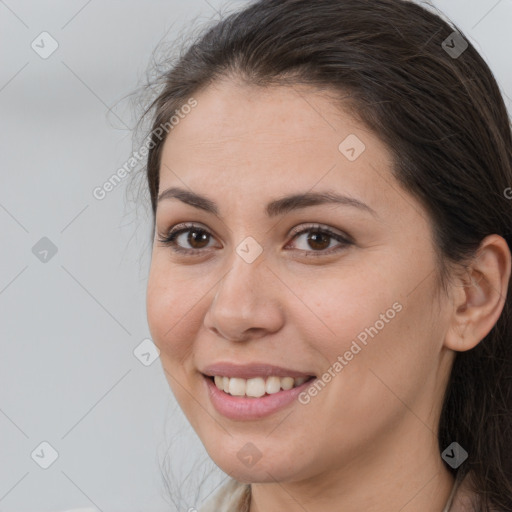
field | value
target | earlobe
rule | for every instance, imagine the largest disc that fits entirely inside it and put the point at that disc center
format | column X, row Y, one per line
column 479, row 296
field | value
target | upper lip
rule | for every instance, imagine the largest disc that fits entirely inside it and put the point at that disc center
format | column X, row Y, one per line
column 249, row 371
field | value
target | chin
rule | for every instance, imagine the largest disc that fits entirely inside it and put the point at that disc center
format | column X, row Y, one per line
column 246, row 461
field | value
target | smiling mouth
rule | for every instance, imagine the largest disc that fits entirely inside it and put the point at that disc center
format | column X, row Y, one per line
column 256, row 387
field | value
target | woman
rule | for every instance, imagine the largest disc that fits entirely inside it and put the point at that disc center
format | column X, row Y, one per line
column 330, row 277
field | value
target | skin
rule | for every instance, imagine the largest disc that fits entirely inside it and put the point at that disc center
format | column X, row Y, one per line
column 368, row 440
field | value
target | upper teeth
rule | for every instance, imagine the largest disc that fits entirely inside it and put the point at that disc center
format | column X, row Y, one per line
column 257, row 386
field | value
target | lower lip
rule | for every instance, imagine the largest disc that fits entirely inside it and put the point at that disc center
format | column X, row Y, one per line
column 245, row 408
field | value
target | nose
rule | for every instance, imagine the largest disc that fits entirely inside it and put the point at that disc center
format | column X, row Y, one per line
column 246, row 304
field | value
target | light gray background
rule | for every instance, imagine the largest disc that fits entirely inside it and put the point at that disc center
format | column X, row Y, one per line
column 69, row 326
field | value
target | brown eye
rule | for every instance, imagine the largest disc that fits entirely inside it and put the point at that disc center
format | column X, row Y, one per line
column 319, row 240
column 196, row 238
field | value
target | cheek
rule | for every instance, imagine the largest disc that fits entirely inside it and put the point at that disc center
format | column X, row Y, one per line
column 170, row 315
column 365, row 325
column 342, row 307
column 387, row 346
column 379, row 303
column 171, row 307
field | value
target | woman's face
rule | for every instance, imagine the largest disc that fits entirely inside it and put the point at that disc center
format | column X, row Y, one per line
column 264, row 292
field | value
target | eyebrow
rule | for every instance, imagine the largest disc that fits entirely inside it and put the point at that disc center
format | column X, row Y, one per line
column 273, row 208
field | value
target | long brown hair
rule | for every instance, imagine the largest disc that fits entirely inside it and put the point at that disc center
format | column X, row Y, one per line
column 445, row 122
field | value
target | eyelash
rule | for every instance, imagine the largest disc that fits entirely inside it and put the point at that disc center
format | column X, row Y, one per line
column 169, row 240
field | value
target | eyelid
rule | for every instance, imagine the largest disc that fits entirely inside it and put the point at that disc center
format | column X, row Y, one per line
column 320, row 227
column 179, row 229
column 341, row 237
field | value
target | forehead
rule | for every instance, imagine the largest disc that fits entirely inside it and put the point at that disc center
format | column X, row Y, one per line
column 286, row 131
column 241, row 113
column 243, row 146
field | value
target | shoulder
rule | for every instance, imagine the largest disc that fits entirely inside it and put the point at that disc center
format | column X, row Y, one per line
column 466, row 498
column 231, row 497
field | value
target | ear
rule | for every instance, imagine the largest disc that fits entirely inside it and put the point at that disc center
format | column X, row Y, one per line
column 479, row 296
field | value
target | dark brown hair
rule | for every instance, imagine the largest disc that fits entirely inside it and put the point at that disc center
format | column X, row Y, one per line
column 446, row 124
